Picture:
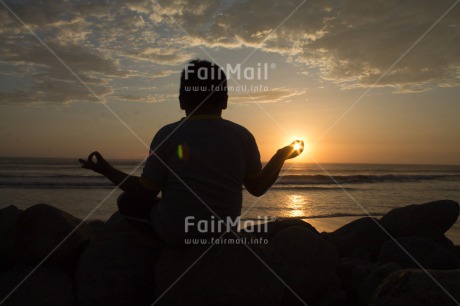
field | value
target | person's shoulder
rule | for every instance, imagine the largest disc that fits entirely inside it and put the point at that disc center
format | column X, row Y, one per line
column 169, row 127
column 233, row 124
column 166, row 130
column 237, row 126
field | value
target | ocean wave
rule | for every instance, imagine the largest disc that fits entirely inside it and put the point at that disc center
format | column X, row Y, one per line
column 47, row 176
column 44, row 184
column 359, row 179
column 288, row 182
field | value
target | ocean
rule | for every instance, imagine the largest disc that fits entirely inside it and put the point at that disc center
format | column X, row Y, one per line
column 304, row 191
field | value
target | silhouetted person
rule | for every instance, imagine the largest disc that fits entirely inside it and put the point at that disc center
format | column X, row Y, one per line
column 199, row 164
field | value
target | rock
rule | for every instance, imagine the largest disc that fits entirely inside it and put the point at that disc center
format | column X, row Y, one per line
column 408, row 221
column 428, row 230
column 360, row 278
column 270, row 229
column 415, row 287
column 219, row 274
column 362, row 235
column 353, row 272
column 309, row 264
column 429, row 253
column 44, row 287
column 8, row 218
column 118, row 269
column 41, row 229
column 372, row 281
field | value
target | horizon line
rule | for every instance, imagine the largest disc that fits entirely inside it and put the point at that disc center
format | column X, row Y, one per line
column 263, row 162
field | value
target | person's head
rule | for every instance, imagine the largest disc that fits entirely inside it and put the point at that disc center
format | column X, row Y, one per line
column 203, row 86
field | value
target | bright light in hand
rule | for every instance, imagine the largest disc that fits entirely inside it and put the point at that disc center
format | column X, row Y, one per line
column 297, row 146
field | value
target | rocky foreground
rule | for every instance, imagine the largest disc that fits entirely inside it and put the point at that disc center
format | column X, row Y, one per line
column 402, row 258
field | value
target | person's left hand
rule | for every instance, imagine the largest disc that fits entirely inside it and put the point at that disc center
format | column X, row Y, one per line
column 292, row 150
column 100, row 166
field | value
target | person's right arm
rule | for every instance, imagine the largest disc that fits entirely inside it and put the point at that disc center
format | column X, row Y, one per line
column 126, row 182
column 258, row 184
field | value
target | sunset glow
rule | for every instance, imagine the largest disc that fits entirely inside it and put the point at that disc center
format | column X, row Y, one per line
column 111, row 79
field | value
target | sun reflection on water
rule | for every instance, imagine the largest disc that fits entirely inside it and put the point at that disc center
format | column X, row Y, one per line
column 297, row 205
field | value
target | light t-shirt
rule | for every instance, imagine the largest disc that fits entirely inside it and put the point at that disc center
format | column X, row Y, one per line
column 208, row 158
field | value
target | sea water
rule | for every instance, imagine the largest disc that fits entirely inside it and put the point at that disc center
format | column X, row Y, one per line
column 303, row 190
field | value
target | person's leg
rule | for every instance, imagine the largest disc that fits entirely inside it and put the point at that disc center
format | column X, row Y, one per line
column 137, row 210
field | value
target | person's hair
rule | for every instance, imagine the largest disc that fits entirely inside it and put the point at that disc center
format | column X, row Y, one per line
column 202, row 82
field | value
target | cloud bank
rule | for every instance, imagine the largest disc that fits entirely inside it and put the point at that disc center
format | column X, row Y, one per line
column 350, row 43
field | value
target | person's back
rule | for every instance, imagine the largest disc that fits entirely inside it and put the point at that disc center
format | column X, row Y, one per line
column 207, row 159
column 199, row 164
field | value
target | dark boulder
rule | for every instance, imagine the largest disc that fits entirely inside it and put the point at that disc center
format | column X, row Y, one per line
column 360, row 278
column 309, row 267
column 118, row 269
column 46, row 286
column 363, row 235
column 415, row 219
column 43, row 230
column 270, row 229
column 8, row 218
column 353, row 272
column 417, row 287
column 219, row 274
column 427, row 252
column 367, row 288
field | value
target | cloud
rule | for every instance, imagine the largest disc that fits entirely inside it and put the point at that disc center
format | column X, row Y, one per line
column 51, row 81
column 363, row 41
column 165, row 56
column 104, row 43
column 350, row 43
column 56, row 91
column 270, row 96
column 145, row 98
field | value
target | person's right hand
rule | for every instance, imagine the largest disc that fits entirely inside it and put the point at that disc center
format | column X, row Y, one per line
column 100, row 165
column 292, row 150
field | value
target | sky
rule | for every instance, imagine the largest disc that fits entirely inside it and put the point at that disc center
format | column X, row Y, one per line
column 359, row 81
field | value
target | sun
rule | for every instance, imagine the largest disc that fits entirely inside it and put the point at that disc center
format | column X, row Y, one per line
column 296, row 142
column 297, row 146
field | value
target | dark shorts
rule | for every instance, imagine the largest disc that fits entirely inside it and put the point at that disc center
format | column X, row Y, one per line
column 137, row 210
column 143, row 212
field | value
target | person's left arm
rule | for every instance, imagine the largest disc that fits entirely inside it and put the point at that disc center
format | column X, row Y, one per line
column 258, row 184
